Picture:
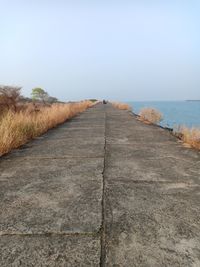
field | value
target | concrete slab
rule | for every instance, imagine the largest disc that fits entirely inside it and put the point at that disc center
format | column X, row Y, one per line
column 76, row 132
column 39, row 141
column 132, row 134
column 49, row 251
column 50, row 195
column 152, row 169
column 62, row 148
column 83, row 124
column 152, row 224
column 142, row 150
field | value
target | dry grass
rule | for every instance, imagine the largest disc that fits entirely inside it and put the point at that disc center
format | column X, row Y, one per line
column 150, row 115
column 17, row 128
column 121, row 106
column 189, row 136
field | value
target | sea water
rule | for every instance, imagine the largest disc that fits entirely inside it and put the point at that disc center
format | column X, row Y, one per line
column 175, row 113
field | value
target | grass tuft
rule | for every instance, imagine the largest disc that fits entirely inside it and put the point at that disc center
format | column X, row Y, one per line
column 121, row 106
column 150, row 115
column 189, row 136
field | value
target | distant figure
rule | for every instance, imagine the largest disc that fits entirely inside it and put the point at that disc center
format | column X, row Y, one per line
column 104, row 101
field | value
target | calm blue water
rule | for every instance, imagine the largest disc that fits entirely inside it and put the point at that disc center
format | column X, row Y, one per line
column 175, row 113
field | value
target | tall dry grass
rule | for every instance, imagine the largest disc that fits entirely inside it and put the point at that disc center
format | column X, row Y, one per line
column 17, row 128
column 121, row 106
column 150, row 115
column 189, row 136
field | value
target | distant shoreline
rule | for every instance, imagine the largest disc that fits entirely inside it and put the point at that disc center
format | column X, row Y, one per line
column 192, row 100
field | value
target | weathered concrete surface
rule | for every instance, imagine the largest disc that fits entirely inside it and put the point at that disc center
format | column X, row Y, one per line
column 101, row 190
column 53, row 251
column 152, row 196
column 51, row 196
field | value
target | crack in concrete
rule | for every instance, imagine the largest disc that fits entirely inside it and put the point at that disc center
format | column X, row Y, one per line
column 94, row 234
column 64, row 157
column 102, row 229
column 125, row 180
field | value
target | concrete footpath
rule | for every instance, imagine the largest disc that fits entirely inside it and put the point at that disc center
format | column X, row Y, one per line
column 101, row 190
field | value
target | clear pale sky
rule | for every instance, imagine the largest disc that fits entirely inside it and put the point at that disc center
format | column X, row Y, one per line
column 121, row 50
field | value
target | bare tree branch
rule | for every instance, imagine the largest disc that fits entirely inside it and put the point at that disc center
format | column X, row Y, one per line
column 9, row 96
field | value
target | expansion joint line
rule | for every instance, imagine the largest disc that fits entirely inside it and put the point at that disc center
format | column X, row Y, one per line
column 103, row 223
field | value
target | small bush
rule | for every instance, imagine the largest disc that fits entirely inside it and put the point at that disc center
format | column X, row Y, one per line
column 190, row 136
column 150, row 115
column 121, row 106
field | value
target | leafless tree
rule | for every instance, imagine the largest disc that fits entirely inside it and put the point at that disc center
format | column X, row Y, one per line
column 9, row 97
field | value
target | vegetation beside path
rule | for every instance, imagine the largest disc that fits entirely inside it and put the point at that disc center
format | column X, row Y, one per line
column 121, row 106
column 189, row 136
column 24, row 119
